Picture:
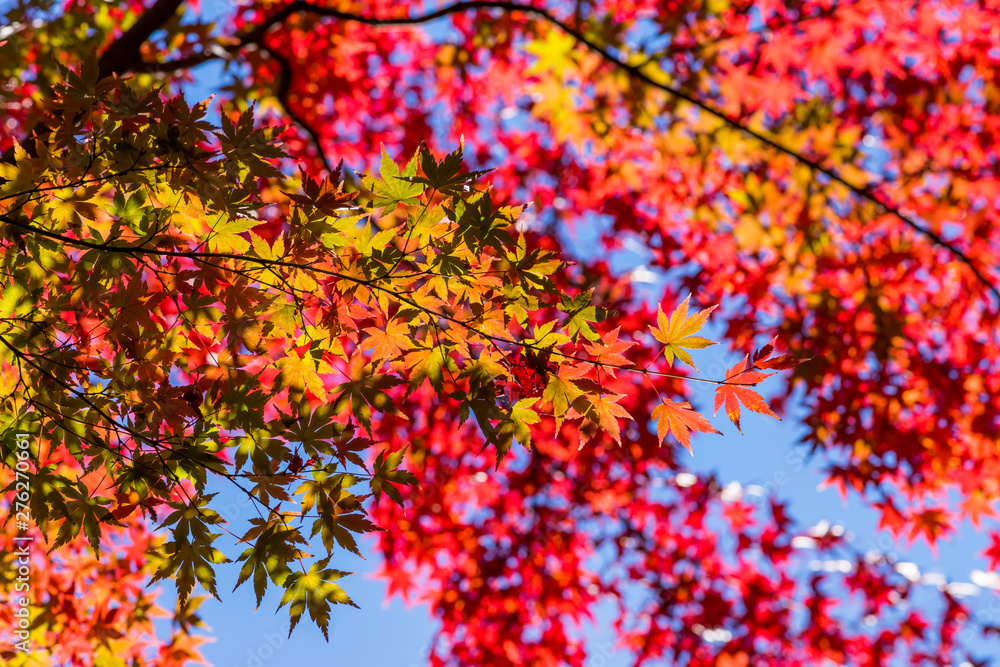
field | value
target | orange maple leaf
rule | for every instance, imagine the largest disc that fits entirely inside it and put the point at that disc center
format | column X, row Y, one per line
column 734, row 392
column 608, row 411
column 679, row 419
column 387, row 344
column 976, row 505
column 609, row 351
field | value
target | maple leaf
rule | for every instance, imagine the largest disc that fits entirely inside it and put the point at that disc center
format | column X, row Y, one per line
column 511, row 426
column 580, row 314
column 610, row 351
column 190, row 554
column 339, row 527
column 891, row 518
column 12, row 301
column 84, row 511
column 561, row 391
column 784, row 362
column 679, row 419
column 322, row 489
column 186, row 562
column 388, row 343
column 269, row 556
column 735, row 391
column 264, row 251
column 327, row 195
column 479, row 225
column 313, row 426
column 393, row 189
column 430, row 363
column 314, row 590
column 444, row 176
column 530, row 372
column 363, row 392
column 554, row 53
column 677, row 333
column 129, row 209
column 932, row 523
column 226, row 237
column 607, row 410
column 302, row 372
column 245, row 145
column 977, row 505
column 385, row 473
column 992, row 552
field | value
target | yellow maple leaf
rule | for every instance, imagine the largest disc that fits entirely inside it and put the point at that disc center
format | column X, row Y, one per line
column 387, row 344
column 555, row 53
column 677, row 333
column 301, row 373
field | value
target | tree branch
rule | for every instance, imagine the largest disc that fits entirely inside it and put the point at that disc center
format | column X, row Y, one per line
column 282, row 94
column 120, row 57
column 123, row 54
column 256, row 34
column 371, row 284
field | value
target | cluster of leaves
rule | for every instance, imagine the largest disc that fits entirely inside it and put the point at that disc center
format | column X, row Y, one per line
column 179, row 310
column 732, row 141
column 83, row 609
column 164, row 333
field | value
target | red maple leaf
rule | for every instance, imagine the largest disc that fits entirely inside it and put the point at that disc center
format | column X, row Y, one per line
column 529, row 372
column 733, row 392
column 679, row 419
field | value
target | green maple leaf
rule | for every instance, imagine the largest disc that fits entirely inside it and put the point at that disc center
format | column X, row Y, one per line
column 369, row 242
column 12, row 301
column 83, row 512
column 580, row 314
column 186, row 562
column 393, row 189
column 515, row 426
column 258, row 449
column 364, row 392
column 339, row 527
column 479, row 224
column 430, row 363
column 45, row 495
column 246, row 146
column 313, row 428
column 314, row 590
column 190, row 554
column 321, row 488
column 561, row 391
column 130, row 209
column 226, row 235
column 386, row 473
column 268, row 558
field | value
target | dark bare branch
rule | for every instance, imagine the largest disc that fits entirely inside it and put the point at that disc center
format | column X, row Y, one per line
column 123, row 54
column 282, row 94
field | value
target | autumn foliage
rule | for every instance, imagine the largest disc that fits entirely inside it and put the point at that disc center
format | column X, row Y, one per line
column 344, row 288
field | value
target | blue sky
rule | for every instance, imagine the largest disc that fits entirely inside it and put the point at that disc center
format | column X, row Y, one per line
column 765, row 458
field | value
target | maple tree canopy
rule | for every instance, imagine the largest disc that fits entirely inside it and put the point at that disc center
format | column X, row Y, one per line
column 342, row 288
